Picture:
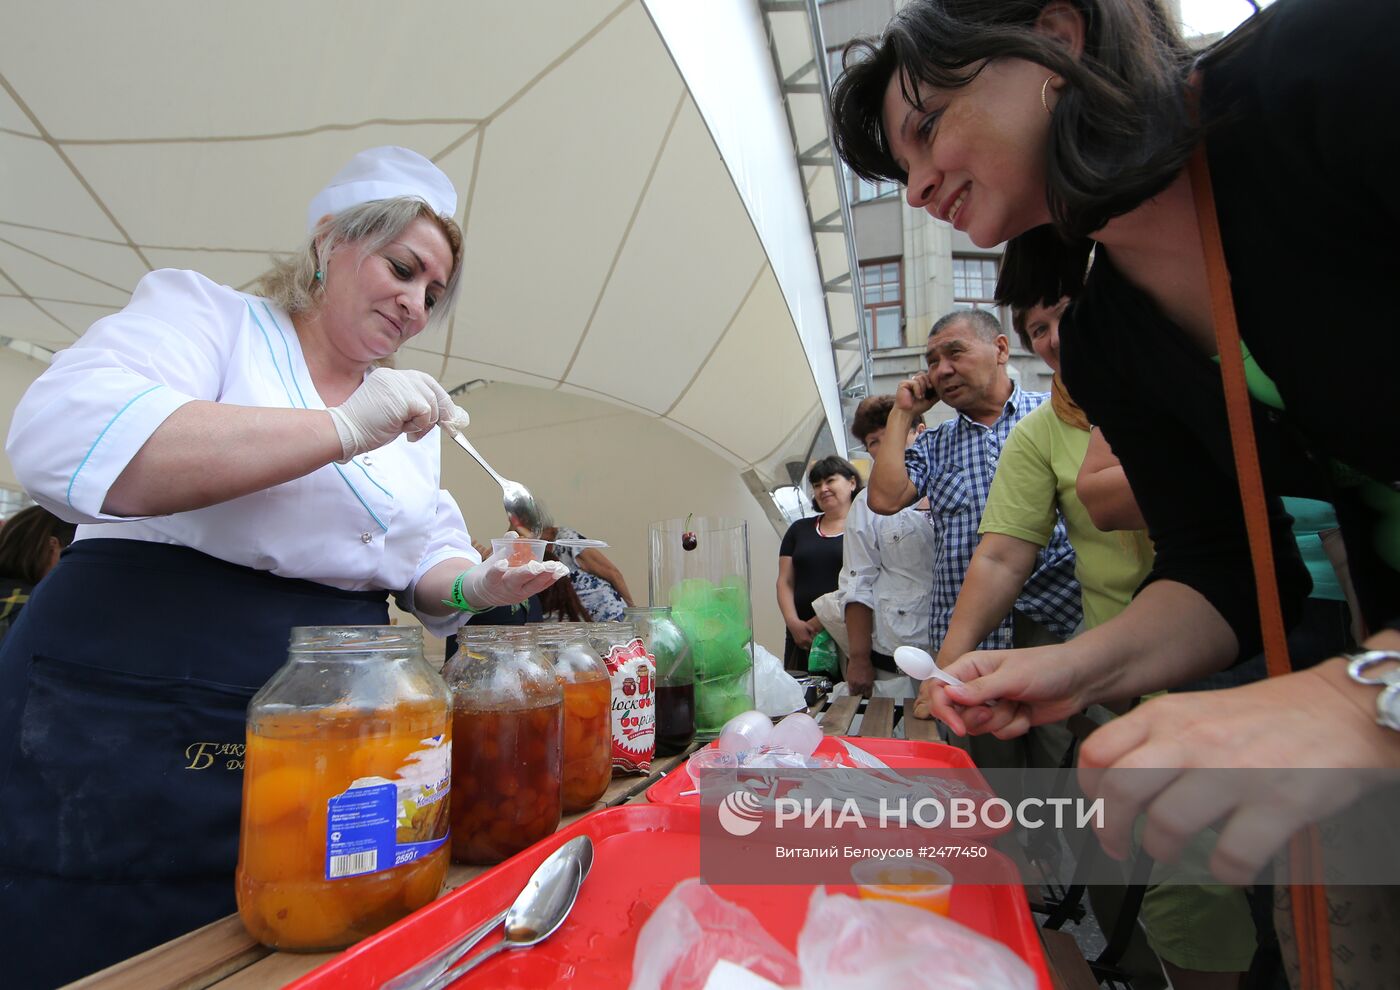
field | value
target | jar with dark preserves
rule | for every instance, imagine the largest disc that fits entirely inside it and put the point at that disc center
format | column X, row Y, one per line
column 508, row 724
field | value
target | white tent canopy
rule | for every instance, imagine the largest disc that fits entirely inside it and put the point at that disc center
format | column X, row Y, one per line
column 609, row 252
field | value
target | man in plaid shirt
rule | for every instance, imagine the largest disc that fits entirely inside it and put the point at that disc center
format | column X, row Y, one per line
column 953, row 464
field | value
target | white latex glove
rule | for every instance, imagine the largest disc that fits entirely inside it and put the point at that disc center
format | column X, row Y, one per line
column 390, row 402
column 457, row 422
column 495, row 582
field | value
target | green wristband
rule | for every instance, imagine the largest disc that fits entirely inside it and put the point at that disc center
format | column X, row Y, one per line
column 459, row 601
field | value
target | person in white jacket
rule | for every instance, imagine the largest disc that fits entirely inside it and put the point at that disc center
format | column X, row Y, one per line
column 240, row 463
column 885, row 587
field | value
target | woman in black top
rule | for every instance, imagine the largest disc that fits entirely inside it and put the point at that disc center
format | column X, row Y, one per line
column 1065, row 126
column 809, row 559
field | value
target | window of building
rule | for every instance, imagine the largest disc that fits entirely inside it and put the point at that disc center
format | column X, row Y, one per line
column 862, row 190
column 882, row 294
column 974, row 283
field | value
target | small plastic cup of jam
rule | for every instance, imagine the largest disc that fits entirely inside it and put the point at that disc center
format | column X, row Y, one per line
column 519, row 551
column 920, row 883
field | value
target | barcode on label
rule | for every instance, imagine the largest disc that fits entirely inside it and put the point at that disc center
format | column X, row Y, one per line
column 347, row 866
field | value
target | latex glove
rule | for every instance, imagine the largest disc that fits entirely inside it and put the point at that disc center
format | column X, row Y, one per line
column 495, row 582
column 390, row 402
column 457, row 422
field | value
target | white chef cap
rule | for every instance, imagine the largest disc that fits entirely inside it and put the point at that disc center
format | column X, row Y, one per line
column 383, row 173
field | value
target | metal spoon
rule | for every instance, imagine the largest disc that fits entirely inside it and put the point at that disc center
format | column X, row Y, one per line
column 537, row 913
column 516, row 497
column 578, row 849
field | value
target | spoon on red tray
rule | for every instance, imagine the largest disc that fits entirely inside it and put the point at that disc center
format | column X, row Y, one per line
column 557, row 870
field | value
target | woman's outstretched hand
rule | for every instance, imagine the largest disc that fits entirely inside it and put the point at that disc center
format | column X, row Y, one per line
column 1309, row 740
column 495, row 581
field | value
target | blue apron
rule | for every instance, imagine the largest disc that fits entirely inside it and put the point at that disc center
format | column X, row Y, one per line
column 123, row 691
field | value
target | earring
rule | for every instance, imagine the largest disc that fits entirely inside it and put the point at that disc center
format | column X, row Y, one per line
column 1043, row 101
column 320, row 275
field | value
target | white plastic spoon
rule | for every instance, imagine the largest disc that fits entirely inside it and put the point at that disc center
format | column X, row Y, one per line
column 919, row 665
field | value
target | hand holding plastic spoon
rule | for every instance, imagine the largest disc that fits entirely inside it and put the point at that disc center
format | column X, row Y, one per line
column 919, row 665
column 1007, row 692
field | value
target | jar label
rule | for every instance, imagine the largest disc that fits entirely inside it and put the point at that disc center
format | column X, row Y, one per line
column 378, row 824
column 633, row 673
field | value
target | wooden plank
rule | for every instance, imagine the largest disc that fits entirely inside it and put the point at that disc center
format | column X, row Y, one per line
column 1068, row 969
column 198, row 959
column 879, row 718
column 277, row 970
column 919, row 729
column 837, row 720
column 223, row 954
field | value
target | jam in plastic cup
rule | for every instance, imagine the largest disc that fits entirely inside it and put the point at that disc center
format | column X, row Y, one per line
column 920, row 883
column 519, row 551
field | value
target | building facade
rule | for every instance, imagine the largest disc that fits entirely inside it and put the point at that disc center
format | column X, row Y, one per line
column 913, row 268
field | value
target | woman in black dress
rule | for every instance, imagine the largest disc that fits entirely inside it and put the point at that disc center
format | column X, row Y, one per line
column 809, row 559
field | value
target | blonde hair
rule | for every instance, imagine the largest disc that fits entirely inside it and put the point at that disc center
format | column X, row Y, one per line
column 291, row 282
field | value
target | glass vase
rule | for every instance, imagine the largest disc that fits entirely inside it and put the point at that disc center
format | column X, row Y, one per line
column 707, row 589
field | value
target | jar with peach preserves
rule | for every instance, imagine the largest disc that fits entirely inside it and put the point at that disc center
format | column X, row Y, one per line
column 508, row 725
column 587, row 690
column 345, row 789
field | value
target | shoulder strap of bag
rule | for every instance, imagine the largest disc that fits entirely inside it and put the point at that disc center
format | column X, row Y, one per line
column 1305, row 851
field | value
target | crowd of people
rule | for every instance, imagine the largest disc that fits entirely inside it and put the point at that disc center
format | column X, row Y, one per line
column 1126, row 174
column 253, row 458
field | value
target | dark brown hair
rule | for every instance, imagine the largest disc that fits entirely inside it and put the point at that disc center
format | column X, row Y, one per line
column 560, row 601
column 828, row 466
column 872, row 414
column 24, row 542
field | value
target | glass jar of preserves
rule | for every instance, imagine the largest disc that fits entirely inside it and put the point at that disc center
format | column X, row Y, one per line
column 345, row 789
column 508, row 723
column 587, row 690
column 675, row 677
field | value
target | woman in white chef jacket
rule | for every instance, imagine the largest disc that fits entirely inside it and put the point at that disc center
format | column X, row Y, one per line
column 239, row 466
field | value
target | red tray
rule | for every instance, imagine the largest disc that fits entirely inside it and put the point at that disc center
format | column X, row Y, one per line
column 898, row 753
column 641, row 852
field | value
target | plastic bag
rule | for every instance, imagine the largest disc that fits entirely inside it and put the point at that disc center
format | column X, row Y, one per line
column 845, row 944
column 821, row 658
column 832, row 612
column 850, row 944
column 694, row 928
column 775, row 691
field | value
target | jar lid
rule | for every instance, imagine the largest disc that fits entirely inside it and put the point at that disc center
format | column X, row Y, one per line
column 355, row 639
column 501, row 676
